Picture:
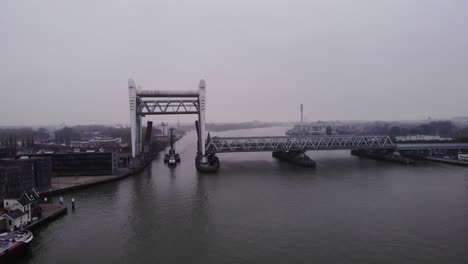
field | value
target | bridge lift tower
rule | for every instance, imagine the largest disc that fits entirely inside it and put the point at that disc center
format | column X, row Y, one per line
column 159, row 102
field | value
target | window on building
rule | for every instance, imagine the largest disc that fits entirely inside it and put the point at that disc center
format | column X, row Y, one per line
column 9, row 222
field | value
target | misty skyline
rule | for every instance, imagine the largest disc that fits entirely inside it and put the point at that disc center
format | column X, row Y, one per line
column 344, row 60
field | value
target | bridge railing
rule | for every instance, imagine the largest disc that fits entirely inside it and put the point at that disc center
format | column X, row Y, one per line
column 284, row 143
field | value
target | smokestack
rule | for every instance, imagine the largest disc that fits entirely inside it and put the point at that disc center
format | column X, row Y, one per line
column 149, row 130
column 172, row 139
column 302, row 116
column 147, row 142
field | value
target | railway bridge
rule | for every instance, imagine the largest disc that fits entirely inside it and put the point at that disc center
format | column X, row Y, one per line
column 291, row 148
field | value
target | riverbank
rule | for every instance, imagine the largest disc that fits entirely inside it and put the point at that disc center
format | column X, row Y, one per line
column 65, row 184
column 448, row 161
column 62, row 185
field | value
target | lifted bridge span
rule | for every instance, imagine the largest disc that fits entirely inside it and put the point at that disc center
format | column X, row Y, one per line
column 169, row 102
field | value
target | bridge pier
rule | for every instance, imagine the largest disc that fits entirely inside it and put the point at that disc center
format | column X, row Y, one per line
column 294, row 157
column 204, row 162
column 207, row 163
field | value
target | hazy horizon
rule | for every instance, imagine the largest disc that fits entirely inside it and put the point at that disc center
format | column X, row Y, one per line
column 344, row 60
column 174, row 123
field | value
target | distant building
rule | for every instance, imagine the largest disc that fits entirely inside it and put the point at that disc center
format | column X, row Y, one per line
column 42, row 173
column 312, row 129
column 98, row 142
column 413, row 138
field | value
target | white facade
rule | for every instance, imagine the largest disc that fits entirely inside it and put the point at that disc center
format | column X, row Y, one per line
column 135, row 119
column 11, row 223
column 19, row 210
column 13, row 204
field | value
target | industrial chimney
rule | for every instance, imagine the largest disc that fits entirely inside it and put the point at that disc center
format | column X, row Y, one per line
column 302, row 117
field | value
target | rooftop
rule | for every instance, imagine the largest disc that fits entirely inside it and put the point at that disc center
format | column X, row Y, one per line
column 14, row 214
column 25, row 198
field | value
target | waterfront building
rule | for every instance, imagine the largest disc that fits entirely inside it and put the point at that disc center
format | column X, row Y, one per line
column 20, row 211
column 81, row 163
column 3, row 152
column 17, row 176
column 7, row 179
column 12, row 219
column 98, row 142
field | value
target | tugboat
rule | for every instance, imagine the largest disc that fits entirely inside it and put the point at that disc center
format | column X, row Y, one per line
column 12, row 244
column 172, row 158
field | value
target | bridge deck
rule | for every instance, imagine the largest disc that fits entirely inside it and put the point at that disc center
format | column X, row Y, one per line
column 286, row 143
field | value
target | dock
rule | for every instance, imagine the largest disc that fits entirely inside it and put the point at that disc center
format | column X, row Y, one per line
column 49, row 213
column 448, row 161
column 70, row 183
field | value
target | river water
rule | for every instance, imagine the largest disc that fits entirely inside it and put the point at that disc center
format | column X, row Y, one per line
column 260, row 210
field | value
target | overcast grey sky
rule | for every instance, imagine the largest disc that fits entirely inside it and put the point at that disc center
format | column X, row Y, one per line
column 357, row 59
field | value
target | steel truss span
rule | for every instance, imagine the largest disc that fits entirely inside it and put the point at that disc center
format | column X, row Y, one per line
column 271, row 144
column 168, row 107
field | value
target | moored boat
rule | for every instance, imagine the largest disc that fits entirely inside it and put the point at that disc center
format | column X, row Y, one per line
column 12, row 244
column 463, row 157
